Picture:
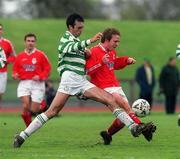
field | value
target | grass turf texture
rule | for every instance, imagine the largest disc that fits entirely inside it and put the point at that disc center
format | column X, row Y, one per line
column 153, row 40
column 74, row 136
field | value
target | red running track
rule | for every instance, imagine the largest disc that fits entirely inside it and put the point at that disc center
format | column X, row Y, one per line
column 78, row 109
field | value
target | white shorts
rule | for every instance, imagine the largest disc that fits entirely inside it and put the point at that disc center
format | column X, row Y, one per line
column 35, row 89
column 3, row 81
column 74, row 84
column 116, row 90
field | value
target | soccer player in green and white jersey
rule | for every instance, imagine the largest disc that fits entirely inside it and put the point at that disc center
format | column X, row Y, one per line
column 73, row 81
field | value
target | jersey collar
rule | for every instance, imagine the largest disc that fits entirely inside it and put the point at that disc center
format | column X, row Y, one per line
column 72, row 35
column 103, row 48
column 33, row 51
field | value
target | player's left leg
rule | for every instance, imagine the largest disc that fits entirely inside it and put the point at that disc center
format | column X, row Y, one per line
column 26, row 113
column 107, row 99
column 116, row 126
column 123, row 103
column 122, row 100
column 57, row 104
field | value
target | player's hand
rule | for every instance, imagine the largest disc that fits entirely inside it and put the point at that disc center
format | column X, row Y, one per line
column 105, row 58
column 130, row 61
column 87, row 53
column 15, row 76
column 96, row 37
column 36, row 78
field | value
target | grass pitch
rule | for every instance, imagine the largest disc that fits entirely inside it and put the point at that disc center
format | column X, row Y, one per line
column 75, row 136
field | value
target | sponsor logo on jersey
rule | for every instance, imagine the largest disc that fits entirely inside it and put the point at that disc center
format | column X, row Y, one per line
column 29, row 68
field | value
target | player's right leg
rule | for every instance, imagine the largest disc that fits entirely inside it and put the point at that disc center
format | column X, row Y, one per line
column 57, row 104
column 23, row 92
column 107, row 99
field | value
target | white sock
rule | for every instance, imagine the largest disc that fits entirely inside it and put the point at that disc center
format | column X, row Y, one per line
column 124, row 118
column 40, row 120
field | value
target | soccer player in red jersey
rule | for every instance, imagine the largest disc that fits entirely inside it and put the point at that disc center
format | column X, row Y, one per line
column 100, row 66
column 9, row 51
column 32, row 68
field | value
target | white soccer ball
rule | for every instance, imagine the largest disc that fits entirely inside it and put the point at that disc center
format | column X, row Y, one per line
column 141, row 107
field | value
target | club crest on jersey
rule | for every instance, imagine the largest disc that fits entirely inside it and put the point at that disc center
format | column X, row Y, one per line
column 34, row 61
column 110, row 65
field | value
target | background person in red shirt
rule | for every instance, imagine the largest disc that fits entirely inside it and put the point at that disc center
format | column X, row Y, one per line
column 32, row 68
column 8, row 49
column 100, row 66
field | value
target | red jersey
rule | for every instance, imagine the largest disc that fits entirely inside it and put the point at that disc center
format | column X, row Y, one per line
column 28, row 65
column 101, row 65
column 7, row 46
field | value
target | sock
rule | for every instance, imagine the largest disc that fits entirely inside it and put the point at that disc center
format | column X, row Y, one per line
column 35, row 125
column 124, row 118
column 115, row 127
column 27, row 118
column 135, row 118
column 43, row 106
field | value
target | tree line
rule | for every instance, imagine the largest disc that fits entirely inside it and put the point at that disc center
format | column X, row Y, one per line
column 123, row 9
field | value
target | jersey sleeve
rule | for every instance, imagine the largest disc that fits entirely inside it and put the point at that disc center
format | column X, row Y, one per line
column 15, row 68
column 120, row 62
column 46, row 68
column 93, row 62
column 12, row 55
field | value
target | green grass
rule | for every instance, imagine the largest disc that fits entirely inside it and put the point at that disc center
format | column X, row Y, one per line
column 152, row 39
column 74, row 136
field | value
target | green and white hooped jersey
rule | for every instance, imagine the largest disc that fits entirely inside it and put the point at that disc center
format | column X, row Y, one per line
column 2, row 58
column 71, row 54
column 178, row 51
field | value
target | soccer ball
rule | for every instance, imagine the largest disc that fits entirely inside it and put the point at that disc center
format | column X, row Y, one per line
column 141, row 107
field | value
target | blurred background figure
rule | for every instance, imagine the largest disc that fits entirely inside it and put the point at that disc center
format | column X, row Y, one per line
column 179, row 120
column 169, row 84
column 50, row 92
column 146, row 80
